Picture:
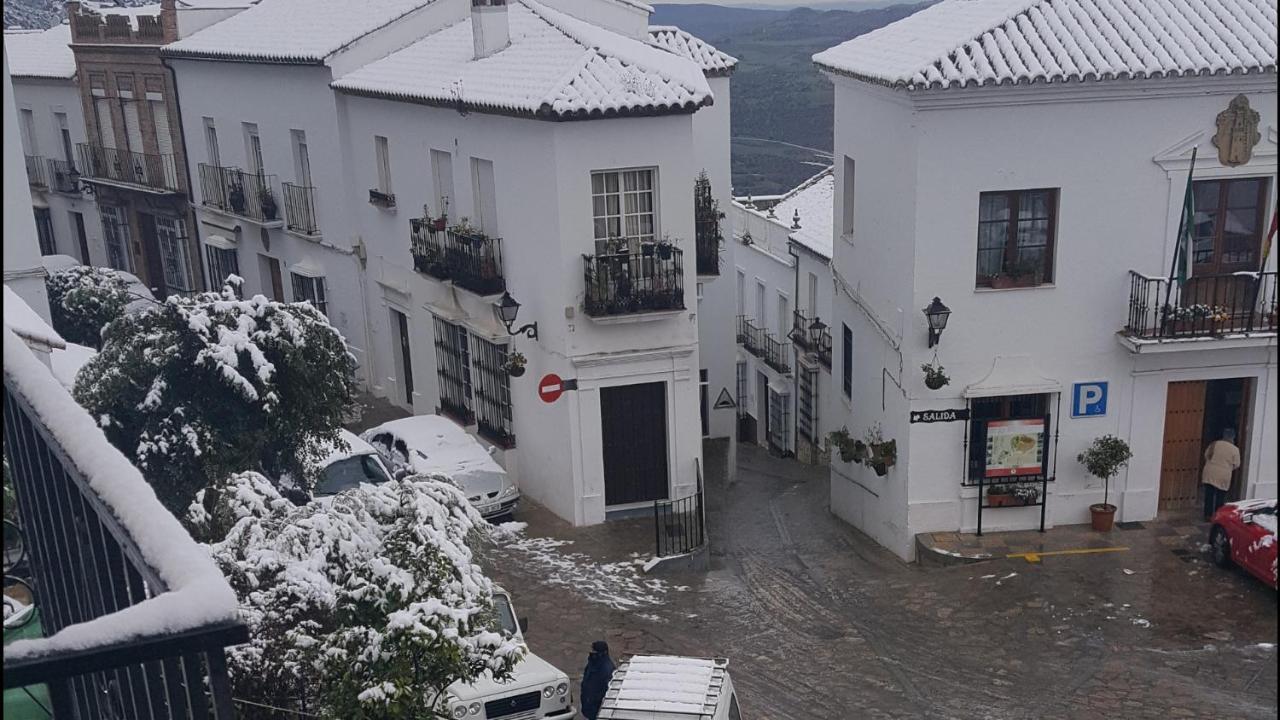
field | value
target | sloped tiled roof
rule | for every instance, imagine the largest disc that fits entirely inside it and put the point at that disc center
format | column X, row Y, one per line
column 556, row 67
column 957, row 43
column 814, row 200
column 40, row 53
column 292, row 31
column 677, row 41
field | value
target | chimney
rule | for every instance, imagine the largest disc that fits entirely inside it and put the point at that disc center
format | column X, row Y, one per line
column 489, row 29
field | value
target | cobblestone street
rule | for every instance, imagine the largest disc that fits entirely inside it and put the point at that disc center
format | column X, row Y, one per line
column 819, row 622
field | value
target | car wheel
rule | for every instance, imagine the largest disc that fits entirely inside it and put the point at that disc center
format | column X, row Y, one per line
column 1220, row 547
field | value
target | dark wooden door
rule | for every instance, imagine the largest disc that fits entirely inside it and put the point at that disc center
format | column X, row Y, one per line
column 406, row 355
column 633, row 422
column 1183, row 432
column 154, row 271
column 277, row 280
column 82, row 239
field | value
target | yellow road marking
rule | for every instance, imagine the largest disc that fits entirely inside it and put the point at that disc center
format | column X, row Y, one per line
column 1034, row 557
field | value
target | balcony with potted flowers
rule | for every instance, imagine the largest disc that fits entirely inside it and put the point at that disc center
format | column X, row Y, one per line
column 1201, row 312
column 459, row 254
column 249, row 196
column 627, row 282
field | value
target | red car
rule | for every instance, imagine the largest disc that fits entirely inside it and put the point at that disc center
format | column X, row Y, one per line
column 1244, row 534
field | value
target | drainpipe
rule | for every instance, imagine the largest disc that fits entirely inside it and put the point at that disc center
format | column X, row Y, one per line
column 186, row 165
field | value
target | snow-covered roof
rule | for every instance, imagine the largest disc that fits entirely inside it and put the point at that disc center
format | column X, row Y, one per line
column 40, row 54
column 980, row 42
column 814, row 200
column 677, row 41
column 292, row 31
column 26, row 323
column 663, row 684
column 131, row 12
column 556, row 67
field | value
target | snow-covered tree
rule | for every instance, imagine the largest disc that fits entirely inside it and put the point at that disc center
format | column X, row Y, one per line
column 368, row 605
column 212, row 384
column 83, row 300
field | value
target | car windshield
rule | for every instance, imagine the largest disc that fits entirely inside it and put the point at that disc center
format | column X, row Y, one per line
column 506, row 619
column 350, row 472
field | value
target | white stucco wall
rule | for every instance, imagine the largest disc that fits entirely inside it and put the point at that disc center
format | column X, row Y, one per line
column 22, row 269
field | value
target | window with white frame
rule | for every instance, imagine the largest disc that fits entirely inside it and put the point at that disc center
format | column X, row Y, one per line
column 623, row 206
column 211, row 142
column 310, row 288
column 222, row 259
column 253, row 148
column 29, row 132
column 64, row 134
column 382, row 155
column 171, row 236
column 484, row 197
column 115, row 235
column 301, row 158
column 442, row 181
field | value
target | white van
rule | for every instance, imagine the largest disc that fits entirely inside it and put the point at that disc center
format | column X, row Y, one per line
column 659, row 687
column 535, row 690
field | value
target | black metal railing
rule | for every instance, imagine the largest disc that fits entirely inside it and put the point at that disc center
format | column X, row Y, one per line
column 707, row 243
column 679, row 526
column 1201, row 306
column 64, row 177
column 762, row 343
column 35, row 171
column 382, row 199
column 812, row 336
column 230, row 189
column 300, row 209
column 152, row 170
column 634, row 282
column 85, row 566
column 470, row 259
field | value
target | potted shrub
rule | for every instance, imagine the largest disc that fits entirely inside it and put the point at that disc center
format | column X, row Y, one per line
column 1026, row 494
column 934, row 375
column 515, row 363
column 999, row 496
column 883, row 453
column 842, row 442
column 235, row 196
column 268, row 200
column 664, row 248
column 1104, row 459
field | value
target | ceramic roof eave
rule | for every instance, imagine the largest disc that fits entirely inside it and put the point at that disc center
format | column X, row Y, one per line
column 542, row 113
column 173, row 54
column 1076, row 80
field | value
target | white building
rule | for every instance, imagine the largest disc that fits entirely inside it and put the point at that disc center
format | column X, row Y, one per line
column 51, row 124
column 23, row 272
column 1028, row 167
column 548, row 153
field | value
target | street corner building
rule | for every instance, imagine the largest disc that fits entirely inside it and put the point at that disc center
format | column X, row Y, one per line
column 484, row 196
column 1087, row 189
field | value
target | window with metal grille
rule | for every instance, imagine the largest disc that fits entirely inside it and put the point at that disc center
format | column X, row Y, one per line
column 492, row 391
column 807, row 405
column 307, row 288
column 984, row 410
column 779, row 419
column 741, row 389
column 222, row 262
column 172, row 237
column 453, row 370
column 115, row 234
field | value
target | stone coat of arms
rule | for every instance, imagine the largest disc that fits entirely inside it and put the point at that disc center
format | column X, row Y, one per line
column 1237, row 132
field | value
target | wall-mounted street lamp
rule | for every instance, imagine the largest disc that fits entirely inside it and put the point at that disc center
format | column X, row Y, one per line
column 937, row 313
column 74, row 176
column 508, row 309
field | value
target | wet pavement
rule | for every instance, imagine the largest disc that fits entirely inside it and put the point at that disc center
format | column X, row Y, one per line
column 819, row 622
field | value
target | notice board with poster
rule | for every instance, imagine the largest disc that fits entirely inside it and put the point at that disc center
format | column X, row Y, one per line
column 1016, row 448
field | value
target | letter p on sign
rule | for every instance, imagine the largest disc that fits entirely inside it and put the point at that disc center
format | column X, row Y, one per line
column 1089, row 399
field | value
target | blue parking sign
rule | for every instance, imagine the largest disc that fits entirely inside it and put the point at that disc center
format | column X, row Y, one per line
column 1089, row 399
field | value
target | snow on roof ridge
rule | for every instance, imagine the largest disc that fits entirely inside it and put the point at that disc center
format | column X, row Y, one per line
column 197, row 593
column 815, row 200
column 41, row 53
column 683, row 43
column 979, row 42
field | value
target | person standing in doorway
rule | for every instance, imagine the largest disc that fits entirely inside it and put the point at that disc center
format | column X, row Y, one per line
column 1221, row 459
column 595, row 679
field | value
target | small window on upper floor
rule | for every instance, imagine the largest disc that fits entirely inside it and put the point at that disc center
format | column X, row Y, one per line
column 382, row 154
column 442, row 182
column 253, row 148
column 484, row 197
column 847, row 196
column 1016, row 231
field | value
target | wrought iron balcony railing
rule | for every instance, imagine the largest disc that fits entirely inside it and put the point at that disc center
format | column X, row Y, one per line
column 64, row 177
column 35, row 171
column 649, row 280
column 812, row 336
column 1202, row 306
column 469, row 259
column 155, row 171
column 134, row 615
column 233, row 190
column 707, row 245
column 762, row 343
column 300, row 209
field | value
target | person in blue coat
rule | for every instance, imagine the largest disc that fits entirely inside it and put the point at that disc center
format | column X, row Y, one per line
column 595, row 679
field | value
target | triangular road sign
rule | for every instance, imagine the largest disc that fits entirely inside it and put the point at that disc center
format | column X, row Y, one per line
column 725, row 400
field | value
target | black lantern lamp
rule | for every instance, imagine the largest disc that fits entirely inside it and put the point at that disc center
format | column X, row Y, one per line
column 508, row 309
column 937, row 313
column 815, row 332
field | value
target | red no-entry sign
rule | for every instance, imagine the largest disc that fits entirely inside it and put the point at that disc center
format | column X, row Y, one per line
column 550, row 388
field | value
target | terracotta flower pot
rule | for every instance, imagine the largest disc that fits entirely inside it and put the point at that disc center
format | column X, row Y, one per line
column 1104, row 515
column 1002, row 500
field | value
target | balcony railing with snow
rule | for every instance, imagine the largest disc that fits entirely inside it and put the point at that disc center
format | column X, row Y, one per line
column 1202, row 306
column 624, row 283
column 135, row 614
column 300, row 209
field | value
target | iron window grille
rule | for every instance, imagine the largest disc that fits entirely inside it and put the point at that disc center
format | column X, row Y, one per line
column 807, row 405
column 779, row 420
column 115, row 235
column 453, row 370
column 311, row 289
column 44, row 232
column 300, row 209
column 172, row 237
column 222, row 263
column 492, row 392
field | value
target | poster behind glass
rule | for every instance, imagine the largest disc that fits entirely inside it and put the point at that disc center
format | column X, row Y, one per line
column 1015, row 447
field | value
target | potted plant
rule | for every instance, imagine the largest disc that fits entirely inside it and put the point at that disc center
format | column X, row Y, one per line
column 268, row 200
column 1026, row 494
column 235, row 196
column 934, row 375
column 854, row 451
column 664, row 248
column 883, row 453
column 646, row 249
column 999, row 496
column 515, row 363
column 1104, row 459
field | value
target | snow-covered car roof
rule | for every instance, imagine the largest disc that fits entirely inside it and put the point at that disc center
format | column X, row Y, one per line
column 437, row 445
column 356, row 446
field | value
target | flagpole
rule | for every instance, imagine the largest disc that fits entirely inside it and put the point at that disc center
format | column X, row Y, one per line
column 1177, row 248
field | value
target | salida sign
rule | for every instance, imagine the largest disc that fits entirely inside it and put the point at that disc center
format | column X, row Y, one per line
column 933, row 416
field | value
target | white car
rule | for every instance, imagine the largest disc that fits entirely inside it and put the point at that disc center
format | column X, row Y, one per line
column 431, row 444
column 536, row 688
column 671, row 688
column 345, row 469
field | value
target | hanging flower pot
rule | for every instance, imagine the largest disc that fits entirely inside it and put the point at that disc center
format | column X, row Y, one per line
column 934, row 375
column 515, row 363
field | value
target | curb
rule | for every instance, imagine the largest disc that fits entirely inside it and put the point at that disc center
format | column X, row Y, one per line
column 928, row 555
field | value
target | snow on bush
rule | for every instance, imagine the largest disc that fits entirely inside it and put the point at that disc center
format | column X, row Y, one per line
column 83, row 300
column 368, row 605
column 212, row 384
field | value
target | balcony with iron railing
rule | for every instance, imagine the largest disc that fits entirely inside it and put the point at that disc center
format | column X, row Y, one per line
column 650, row 279
column 127, row 616
column 812, row 336
column 145, row 170
column 1237, row 305
column 469, row 259
column 760, row 342
column 35, row 171
column 300, row 209
column 64, row 177
column 248, row 195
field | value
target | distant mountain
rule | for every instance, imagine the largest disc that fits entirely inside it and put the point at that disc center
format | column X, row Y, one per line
column 782, row 106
